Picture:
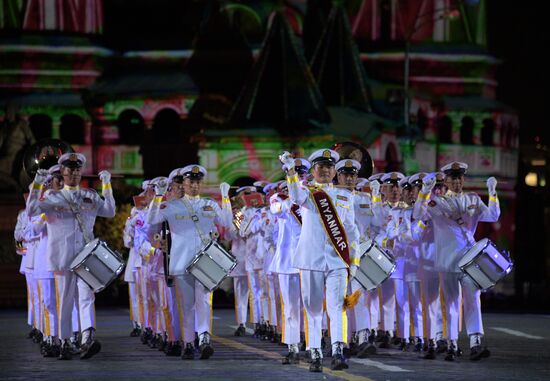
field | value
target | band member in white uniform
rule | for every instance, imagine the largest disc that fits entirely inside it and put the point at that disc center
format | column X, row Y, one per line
column 70, row 217
column 250, row 231
column 51, row 346
column 411, row 254
column 347, row 176
column 327, row 251
column 192, row 221
column 20, row 234
column 455, row 217
column 289, row 221
column 239, row 274
column 390, row 216
column 429, row 277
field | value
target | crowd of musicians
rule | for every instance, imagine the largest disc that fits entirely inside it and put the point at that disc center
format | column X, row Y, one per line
column 297, row 257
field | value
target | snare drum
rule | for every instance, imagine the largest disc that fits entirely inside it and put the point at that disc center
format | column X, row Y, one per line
column 97, row 265
column 212, row 265
column 485, row 264
column 375, row 267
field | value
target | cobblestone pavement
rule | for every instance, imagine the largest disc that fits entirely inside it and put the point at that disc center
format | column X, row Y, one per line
column 519, row 346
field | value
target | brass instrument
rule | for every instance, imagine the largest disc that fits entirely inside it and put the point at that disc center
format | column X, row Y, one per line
column 238, row 218
column 44, row 154
column 20, row 248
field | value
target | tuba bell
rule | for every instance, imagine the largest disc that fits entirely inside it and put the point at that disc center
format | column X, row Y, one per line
column 44, row 154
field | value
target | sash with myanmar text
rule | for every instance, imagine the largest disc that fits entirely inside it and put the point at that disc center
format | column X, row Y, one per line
column 332, row 224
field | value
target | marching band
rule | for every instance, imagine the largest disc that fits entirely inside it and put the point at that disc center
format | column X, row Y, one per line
column 326, row 270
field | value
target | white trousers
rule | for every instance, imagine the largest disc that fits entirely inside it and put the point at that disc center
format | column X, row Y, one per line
column 416, row 312
column 241, row 292
column 143, row 296
column 290, row 308
column 271, row 291
column 37, row 305
column 134, row 303
column 361, row 311
column 68, row 288
column 30, row 299
column 451, row 284
column 194, row 300
column 255, row 304
column 373, row 302
column 47, row 288
column 403, row 308
column 315, row 286
column 387, row 305
column 433, row 322
column 172, row 313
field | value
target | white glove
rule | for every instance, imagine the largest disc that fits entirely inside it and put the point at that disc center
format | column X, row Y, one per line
column 105, row 177
column 492, row 186
column 161, row 187
column 352, row 271
column 428, row 183
column 224, row 190
column 287, row 160
column 41, row 176
column 375, row 188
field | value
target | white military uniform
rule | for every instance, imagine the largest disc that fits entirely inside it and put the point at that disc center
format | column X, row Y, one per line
column 250, row 231
column 455, row 218
column 188, row 238
column 239, row 275
column 321, row 268
column 129, row 272
column 289, row 229
column 65, row 240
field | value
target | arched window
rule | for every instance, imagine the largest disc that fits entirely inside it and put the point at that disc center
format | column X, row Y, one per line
column 445, row 129
column 71, row 129
column 41, row 126
column 131, row 127
column 467, row 130
column 487, row 132
column 392, row 160
column 166, row 127
column 421, row 121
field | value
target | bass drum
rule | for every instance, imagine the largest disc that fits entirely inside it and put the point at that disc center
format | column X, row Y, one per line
column 356, row 151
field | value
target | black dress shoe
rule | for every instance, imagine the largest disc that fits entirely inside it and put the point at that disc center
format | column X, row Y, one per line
column 135, row 332
column 206, row 351
column 485, row 352
column 173, row 349
column 368, row 350
column 240, row 331
column 291, row 358
column 384, row 342
column 476, row 353
column 441, row 346
column 38, row 337
column 451, row 354
column 53, row 351
column 65, row 352
column 338, row 362
column 316, row 365
column 188, row 352
column 31, row 333
column 430, row 354
column 89, row 349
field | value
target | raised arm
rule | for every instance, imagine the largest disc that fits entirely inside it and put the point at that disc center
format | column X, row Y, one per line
column 107, row 206
column 490, row 213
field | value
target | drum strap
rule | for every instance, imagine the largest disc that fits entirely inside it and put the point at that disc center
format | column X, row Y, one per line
column 77, row 216
column 195, row 219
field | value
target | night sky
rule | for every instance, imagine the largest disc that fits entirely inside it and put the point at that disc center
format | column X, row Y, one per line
column 519, row 35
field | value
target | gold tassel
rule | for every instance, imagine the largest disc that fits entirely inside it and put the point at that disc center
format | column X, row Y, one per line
column 351, row 300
